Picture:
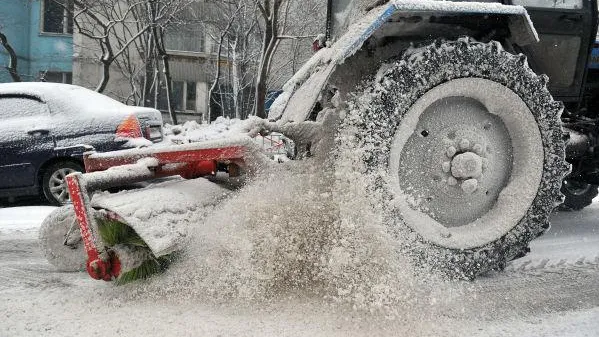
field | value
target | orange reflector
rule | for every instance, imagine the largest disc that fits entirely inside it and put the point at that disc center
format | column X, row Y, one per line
column 129, row 128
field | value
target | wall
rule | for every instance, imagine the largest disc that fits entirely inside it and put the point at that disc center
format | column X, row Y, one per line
column 37, row 51
column 48, row 52
column 14, row 23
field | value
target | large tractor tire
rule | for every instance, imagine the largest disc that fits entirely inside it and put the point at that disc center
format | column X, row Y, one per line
column 577, row 195
column 463, row 144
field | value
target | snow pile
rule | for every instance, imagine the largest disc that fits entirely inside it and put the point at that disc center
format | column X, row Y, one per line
column 192, row 131
column 274, row 144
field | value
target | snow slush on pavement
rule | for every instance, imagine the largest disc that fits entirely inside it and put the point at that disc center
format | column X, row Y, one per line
column 456, row 142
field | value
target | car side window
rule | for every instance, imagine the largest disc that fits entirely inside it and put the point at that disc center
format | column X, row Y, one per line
column 14, row 107
column 557, row 4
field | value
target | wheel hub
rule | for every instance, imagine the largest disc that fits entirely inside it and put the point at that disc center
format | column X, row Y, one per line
column 466, row 162
column 58, row 186
column 457, row 161
column 465, row 168
column 467, row 165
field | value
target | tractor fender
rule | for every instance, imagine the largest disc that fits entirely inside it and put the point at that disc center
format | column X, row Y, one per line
column 302, row 91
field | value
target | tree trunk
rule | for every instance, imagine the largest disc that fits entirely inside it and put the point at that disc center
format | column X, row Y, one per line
column 12, row 63
column 215, row 83
column 235, row 81
column 169, row 89
column 105, row 76
column 269, row 46
column 263, row 71
column 158, row 36
column 149, row 67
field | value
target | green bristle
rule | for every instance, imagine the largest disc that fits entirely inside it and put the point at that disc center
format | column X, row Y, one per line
column 145, row 270
column 114, row 232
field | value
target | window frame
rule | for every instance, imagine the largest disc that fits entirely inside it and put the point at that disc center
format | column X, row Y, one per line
column 183, row 100
column 202, row 38
column 63, row 74
column 560, row 8
column 65, row 21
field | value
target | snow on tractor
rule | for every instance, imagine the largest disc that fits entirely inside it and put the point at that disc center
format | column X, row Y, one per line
column 462, row 113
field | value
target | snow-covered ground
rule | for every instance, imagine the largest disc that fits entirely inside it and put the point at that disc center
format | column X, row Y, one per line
column 22, row 222
column 554, row 291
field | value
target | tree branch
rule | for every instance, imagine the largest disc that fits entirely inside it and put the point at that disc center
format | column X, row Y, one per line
column 12, row 64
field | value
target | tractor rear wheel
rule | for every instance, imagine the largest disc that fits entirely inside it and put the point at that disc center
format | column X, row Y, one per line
column 464, row 144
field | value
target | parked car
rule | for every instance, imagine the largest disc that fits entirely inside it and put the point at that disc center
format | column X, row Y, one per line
column 46, row 127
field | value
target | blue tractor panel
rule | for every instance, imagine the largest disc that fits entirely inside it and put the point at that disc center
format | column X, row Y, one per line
column 594, row 63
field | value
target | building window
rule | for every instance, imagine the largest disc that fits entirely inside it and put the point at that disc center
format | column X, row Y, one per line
column 185, row 39
column 183, row 97
column 190, row 97
column 57, row 16
column 56, row 77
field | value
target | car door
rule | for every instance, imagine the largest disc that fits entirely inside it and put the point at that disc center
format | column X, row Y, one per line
column 566, row 34
column 25, row 139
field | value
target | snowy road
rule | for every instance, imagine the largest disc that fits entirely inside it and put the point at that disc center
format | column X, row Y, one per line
column 554, row 291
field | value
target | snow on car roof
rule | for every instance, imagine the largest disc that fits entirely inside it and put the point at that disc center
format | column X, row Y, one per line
column 65, row 97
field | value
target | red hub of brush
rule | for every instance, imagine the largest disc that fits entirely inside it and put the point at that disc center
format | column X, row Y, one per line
column 108, row 270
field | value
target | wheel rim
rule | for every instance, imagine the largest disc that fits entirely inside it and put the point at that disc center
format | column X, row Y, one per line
column 58, row 186
column 466, row 163
column 577, row 188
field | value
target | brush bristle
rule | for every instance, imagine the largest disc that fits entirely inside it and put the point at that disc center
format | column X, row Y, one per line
column 137, row 260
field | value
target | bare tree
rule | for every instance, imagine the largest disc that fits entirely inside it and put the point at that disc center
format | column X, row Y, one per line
column 270, row 11
column 220, row 41
column 102, row 21
column 255, row 60
column 256, row 45
column 276, row 17
column 129, row 37
column 12, row 62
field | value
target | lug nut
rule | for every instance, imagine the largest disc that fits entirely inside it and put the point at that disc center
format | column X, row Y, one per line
column 446, row 166
column 464, row 144
column 451, row 151
column 478, row 149
column 469, row 186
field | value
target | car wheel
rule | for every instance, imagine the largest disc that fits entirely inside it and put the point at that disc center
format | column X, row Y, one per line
column 54, row 185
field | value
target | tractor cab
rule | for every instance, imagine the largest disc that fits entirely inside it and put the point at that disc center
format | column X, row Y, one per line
column 567, row 32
